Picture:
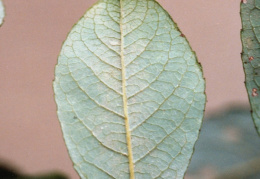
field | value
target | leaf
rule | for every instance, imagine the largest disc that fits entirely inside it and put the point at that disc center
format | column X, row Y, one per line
column 2, row 13
column 130, row 93
column 250, row 34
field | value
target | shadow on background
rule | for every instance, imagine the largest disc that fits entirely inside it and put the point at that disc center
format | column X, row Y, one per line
column 228, row 148
column 8, row 172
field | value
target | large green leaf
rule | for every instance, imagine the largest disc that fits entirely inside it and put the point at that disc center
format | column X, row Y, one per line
column 130, row 93
column 250, row 13
column 2, row 13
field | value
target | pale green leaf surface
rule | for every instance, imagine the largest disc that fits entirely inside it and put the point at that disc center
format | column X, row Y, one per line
column 2, row 13
column 250, row 14
column 125, row 69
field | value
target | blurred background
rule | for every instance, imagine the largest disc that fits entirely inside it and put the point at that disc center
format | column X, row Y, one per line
column 30, row 41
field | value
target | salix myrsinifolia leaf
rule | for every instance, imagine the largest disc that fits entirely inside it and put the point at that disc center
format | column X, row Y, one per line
column 250, row 34
column 130, row 93
column 2, row 13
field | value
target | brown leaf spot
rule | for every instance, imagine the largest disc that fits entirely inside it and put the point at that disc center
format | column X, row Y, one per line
column 182, row 35
column 254, row 92
column 251, row 58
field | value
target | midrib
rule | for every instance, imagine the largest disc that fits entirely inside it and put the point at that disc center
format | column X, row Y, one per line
column 128, row 132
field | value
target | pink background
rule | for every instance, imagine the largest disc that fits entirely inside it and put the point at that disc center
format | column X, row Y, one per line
column 31, row 39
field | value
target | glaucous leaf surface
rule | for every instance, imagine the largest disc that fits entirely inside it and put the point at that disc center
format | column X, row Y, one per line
column 130, row 93
column 250, row 14
column 2, row 13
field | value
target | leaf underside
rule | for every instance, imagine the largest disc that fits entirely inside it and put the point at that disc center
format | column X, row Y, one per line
column 130, row 93
column 250, row 34
column 2, row 13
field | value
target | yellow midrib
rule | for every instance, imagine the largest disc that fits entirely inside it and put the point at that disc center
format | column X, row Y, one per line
column 128, row 132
